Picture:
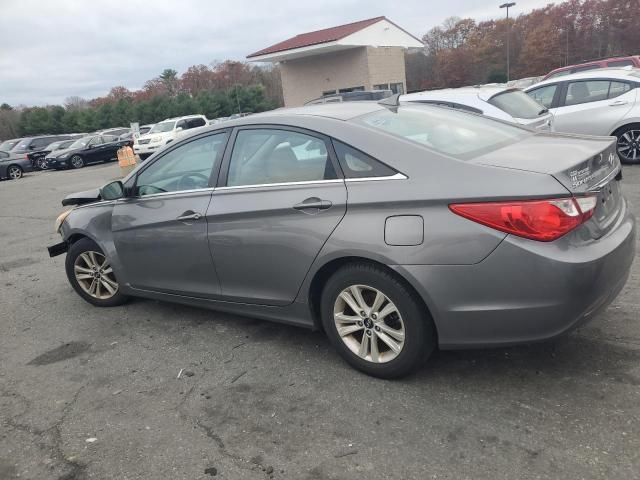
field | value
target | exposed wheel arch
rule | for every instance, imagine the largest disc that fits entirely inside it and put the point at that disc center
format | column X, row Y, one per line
column 322, row 275
column 622, row 127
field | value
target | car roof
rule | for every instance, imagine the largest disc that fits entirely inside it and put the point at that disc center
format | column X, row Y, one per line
column 613, row 73
column 337, row 111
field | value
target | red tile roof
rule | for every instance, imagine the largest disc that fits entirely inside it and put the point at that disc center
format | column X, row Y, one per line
column 319, row 36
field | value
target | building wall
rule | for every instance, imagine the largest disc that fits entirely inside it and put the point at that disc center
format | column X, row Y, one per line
column 307, row 78
column 386, row 65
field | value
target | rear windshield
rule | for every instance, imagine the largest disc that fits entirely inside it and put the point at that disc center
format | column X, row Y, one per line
column 452, row 132
column 517, row 104
column 7, row 145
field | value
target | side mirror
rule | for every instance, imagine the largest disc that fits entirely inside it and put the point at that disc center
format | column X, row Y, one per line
column 112, row 191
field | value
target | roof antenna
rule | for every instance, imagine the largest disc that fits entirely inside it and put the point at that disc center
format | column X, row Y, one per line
column 393, row 101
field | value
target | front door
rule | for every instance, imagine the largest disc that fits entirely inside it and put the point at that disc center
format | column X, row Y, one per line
column 593, row 107
column 279, row 200
column 160, row 232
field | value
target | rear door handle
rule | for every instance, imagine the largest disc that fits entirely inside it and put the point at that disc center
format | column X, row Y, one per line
column 618, row 102
column 189, row 215
column 314, row 203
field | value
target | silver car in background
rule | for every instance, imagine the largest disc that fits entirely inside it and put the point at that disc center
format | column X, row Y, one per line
column 596, row 102
column 395, row 228
column 495, row 101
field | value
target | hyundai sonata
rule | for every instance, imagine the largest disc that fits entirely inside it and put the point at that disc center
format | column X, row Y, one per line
column 393, row 228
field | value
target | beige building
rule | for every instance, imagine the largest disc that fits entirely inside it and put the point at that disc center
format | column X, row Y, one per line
column 365, row 55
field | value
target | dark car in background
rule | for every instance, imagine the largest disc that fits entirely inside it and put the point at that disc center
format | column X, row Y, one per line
column 7, row 145
column 86, row 150
column 38, row 159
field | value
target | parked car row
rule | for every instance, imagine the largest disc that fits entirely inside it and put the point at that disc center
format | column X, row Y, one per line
column 165, row 132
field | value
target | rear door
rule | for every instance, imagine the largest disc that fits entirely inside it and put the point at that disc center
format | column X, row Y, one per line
column 594, row 106
column 280, row 197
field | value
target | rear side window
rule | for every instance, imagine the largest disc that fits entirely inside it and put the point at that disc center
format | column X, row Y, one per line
column 356, row 164
column 618, row 88
column 39, row 143
column 444, row 130
column 517, row 104
column 195, row 122
column 544, row 95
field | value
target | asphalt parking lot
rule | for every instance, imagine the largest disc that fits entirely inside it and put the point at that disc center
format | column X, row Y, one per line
column 93, row 393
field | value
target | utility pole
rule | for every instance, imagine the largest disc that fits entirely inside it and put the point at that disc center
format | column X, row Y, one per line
column 507, row 6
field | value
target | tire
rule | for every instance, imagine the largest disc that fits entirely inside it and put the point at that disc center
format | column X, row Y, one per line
column 78, row 265
column 14, row 172
column 76, row 161
column 628, row 144
column 41, row 163
column 410, row 324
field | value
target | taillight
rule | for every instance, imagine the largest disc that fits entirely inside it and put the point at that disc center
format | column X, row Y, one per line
column 542, row 220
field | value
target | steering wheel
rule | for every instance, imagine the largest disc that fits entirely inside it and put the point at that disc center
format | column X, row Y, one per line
column 149, row 189
column 189, row 182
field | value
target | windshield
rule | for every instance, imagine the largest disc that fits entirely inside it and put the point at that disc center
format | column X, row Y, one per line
column 444, row 130
column 517, row 104
column 81, row 142
column 162, row 127
column 8, row 145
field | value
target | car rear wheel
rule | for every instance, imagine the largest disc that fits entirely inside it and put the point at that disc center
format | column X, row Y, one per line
column 91, row 275
column 76, row 161
column 375, row 321
column 41, row 163
column 629, row 144
column 14, row 172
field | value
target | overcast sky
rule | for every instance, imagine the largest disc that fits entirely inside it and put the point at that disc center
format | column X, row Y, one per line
column 53, row 49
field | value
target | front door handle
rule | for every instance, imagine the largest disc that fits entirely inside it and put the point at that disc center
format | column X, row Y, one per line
column 313, row 203
column 189, row 215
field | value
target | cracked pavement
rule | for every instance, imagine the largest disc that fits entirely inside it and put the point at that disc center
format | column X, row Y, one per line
column 272, row 401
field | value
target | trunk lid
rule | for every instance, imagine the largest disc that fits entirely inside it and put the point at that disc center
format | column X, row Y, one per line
column 583, row 165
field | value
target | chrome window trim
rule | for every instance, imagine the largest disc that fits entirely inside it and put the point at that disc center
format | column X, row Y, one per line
column 281, row 184
column 397, row 176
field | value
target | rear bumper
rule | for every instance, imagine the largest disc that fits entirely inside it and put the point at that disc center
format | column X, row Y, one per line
column 526, row 291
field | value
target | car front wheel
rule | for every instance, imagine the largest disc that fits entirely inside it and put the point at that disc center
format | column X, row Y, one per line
column 375, row 321
column 76, row 161
column 91, row 275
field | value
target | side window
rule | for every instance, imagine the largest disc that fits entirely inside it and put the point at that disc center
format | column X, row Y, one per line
column 356, row 164
column 618, row 88
column 187, row 167
column 182, row 124
column 3, row 154
column 95, row 141
column 544, row 95
column 620, row 63
column 39, row 143
column 109, row 138
column 196, row 122
column 587, row 91
column 265, row 156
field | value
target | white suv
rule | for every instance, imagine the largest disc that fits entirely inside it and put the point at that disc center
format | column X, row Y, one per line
column 165, row 132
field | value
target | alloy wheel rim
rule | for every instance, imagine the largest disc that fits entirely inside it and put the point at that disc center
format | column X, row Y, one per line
column 95, row 276
column 76, row 161
column 42, row 164
column 629, row 145
column 15, row 173
column 369, row 323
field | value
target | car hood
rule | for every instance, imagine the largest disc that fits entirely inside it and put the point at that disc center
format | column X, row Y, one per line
column 580, row 163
